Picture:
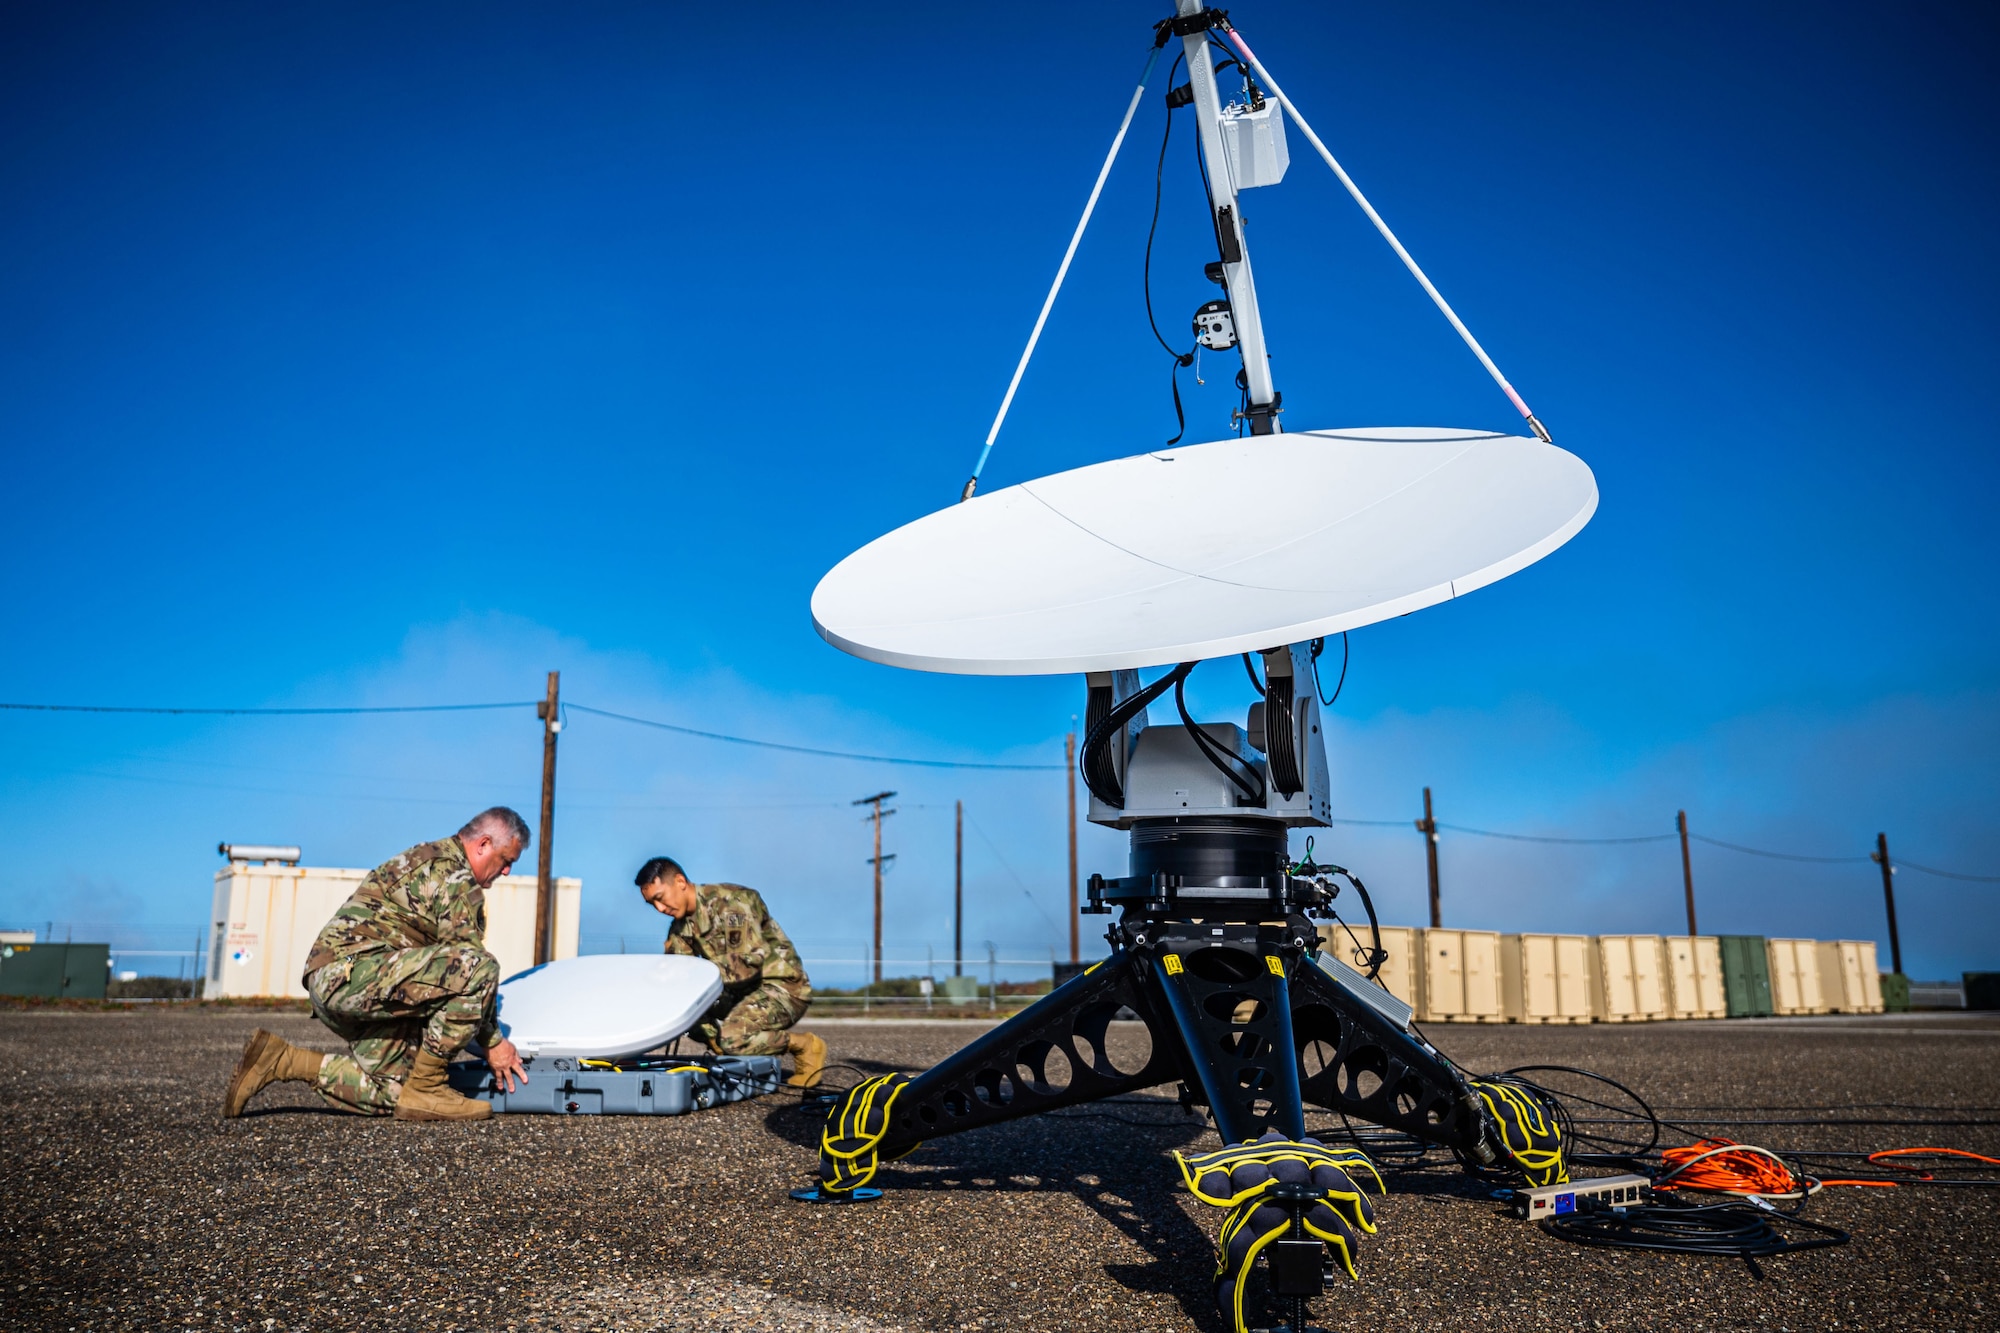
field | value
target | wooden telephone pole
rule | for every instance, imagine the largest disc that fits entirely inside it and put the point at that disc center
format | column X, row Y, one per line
column 545, row 858
column 1069, row 767
column 878, row 814
column 1881, row 856
column 958, row 889
column 1687, row 869
column 1428, row 827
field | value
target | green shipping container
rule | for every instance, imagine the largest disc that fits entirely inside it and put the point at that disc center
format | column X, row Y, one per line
column 1746, row 975
column 55, row 971
column 1895, row 993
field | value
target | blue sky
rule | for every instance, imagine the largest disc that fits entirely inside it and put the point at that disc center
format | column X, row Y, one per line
column 365, row 354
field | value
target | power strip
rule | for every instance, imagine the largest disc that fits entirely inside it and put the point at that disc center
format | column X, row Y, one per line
column 1605, row 1191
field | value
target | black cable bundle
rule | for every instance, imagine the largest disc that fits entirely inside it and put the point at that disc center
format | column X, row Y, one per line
column 1733, row 1230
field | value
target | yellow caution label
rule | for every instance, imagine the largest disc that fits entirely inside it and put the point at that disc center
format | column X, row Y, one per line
column 1173, row 965
column 1275, row 963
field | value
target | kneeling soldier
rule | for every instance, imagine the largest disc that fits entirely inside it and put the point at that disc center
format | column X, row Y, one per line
column 764, row 986
column 402, row 973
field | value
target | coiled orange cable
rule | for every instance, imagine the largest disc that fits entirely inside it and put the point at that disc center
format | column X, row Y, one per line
column 1729, row 1167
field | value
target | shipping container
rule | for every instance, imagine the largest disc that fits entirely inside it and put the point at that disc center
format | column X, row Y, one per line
column 265, row 918
column 1847, row 978
column 1630, row 980
column 1694, row 977
column 1399, row 971
column 47, row 971
column 1545, row 978
column 1795, row 984
column 1746, row 975
column 1461, row 977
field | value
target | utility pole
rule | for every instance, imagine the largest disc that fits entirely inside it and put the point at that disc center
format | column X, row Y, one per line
column 958, row 889
column 1429, row 828
column 545, row 860
column 1069, row 769
column 1687, row 869
column 1881, row 857
column 878, row 814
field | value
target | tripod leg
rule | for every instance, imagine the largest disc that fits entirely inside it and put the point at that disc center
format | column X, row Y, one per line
column 1354, row 1060
column 1052, row 1054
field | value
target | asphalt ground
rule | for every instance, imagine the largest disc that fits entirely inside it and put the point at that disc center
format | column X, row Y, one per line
column 129, row 1204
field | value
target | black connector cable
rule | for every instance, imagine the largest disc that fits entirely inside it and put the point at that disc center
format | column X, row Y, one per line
column 1731, row 1230
column 1252, row 787
column 1098, row 775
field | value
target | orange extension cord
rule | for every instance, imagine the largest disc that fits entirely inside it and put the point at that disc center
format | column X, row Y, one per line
column 1728, row 1167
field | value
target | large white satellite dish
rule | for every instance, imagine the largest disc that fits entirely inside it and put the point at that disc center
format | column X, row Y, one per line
column 1204, row 551
column 603, row 1006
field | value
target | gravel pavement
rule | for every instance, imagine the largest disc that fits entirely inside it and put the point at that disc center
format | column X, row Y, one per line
column 129, row 1204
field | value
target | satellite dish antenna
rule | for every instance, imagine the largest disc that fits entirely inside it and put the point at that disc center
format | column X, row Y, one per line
column 1260, row 546
column 606, row 1006
column 1205, row 551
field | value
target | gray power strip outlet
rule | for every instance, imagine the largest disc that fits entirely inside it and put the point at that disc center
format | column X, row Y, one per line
column 1605, row 1191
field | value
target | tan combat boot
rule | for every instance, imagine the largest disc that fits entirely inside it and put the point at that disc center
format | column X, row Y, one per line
column 427, row 1096
column 267, row 1058
column 808, row 1054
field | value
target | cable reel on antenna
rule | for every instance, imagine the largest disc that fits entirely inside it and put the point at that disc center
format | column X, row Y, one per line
column 1215, row 326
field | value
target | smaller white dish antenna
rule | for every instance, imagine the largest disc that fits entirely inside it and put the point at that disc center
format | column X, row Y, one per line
column 1204, row 550
column 604, row 1006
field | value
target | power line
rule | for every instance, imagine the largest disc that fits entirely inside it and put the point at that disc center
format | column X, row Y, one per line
column 1775, row 856
column 260, row 712
column 1948, row 874
column 807, row 749
column 530, row 703
column 1529, row 837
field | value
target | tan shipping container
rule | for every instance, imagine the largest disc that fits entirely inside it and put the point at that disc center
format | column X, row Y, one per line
column 1848, row 981
column 1615, row 997
column 1694, row 976
column 1461, row 977
column 1400, row 970
column 1871, row 976
column 265, row 918
column 1544, row 978
column 1795, row 984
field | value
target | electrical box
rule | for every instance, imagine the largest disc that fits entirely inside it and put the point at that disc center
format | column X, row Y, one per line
column 1746, row 975
column 1399, row 971
column 47, row 971
column 1545, row 978
column 1795, row 983
column 1694, row 977
column 265, row 918
column 1253, row 139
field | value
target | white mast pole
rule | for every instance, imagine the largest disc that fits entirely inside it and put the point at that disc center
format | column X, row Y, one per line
column 1229, row 227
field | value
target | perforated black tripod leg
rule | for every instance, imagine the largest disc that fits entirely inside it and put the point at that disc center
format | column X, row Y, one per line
column 1353, row 1059
column 1012, row 1072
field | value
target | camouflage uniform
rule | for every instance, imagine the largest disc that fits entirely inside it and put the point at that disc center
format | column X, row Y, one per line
column 764, row 986
column 403, row 964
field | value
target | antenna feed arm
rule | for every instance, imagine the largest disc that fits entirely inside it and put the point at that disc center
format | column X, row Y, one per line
column 1541, row 431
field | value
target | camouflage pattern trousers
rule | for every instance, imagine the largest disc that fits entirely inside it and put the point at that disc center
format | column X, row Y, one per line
column 386, row 1004
column 752, row 1024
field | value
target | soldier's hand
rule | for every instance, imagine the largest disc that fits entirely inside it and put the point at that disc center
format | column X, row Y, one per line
column 505, row 1062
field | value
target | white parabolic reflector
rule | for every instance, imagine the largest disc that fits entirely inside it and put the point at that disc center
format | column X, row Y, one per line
column 602, row 1006
column 1204, row 551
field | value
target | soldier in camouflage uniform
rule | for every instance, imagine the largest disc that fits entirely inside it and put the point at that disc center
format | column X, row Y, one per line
column 402, row 973
column 764, row 986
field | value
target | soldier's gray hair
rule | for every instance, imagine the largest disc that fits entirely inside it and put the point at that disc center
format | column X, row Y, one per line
column 497, row 822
